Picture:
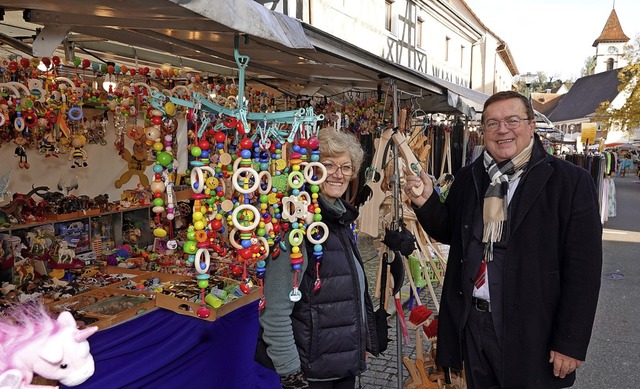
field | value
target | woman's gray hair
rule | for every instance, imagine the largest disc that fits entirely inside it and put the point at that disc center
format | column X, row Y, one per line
column 334, row 142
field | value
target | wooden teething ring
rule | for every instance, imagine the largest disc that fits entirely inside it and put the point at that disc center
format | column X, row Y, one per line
column 198, row 172
column 293, row 175
column 262, row 176
column 197, row 185
column 18, row 124
column 256, row 217
column 325, row 235
column 207, row 261
column 236, row 185
column 31, row 119
column 232, row 239
column 296, row 237
column 308, row 173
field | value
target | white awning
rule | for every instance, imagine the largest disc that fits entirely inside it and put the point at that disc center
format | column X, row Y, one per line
column 200, row 34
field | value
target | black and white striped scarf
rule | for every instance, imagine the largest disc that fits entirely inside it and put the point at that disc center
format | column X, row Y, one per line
column 494, row 211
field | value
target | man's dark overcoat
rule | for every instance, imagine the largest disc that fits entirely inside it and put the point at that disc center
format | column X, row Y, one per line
column 552, row 267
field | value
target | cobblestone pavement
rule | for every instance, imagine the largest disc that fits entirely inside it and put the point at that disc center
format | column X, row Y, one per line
column 382, row 371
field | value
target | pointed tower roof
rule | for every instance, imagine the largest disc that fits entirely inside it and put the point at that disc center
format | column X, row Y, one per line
column 612, row 31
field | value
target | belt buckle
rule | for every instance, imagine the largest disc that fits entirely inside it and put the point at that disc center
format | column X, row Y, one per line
column 481, row 305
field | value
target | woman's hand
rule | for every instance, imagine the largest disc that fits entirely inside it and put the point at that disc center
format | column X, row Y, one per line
column 413, row 181
column 294, row 381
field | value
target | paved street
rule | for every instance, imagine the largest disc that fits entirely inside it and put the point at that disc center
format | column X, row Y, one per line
column 613, row 359
column 614, row 354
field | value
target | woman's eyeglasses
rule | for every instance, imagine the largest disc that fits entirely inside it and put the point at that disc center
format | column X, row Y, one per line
column 347, row 170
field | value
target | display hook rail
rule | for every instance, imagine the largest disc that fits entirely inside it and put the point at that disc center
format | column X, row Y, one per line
column 199, row 102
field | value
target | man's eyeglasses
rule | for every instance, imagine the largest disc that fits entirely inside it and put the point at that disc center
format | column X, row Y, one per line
column 347, row 170
column 512, row 122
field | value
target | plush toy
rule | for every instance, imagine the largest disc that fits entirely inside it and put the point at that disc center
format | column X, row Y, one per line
column 32, row 342
column 78, row 154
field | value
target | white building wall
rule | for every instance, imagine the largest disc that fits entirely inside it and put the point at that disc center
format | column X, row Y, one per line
column 455, row 46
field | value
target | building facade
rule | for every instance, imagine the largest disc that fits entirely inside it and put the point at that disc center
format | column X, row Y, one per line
column 444, row 39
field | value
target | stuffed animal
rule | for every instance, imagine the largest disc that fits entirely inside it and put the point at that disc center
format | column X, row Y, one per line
column 78, row 154
column 32, row 342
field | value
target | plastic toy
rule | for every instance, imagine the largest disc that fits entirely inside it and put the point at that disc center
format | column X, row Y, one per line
column 32, row 342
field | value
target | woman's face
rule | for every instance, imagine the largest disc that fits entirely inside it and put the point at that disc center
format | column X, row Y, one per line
column 505, row 143
column 336, row 182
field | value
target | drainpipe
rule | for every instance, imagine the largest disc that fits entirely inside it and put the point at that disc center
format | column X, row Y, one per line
column 501, row 48
column 479, row 41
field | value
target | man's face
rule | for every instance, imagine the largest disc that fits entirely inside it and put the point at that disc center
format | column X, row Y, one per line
column 507, row 129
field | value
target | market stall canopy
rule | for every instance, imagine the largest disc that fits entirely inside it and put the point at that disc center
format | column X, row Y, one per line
column 622, row 146
column 465, row 100
column 284, row 53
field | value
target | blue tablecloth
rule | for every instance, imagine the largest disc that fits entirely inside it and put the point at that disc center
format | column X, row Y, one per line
column 162, row 349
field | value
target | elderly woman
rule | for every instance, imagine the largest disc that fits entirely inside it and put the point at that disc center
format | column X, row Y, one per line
column 321, row 340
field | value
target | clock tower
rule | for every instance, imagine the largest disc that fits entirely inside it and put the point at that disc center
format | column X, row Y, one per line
column 610, row 45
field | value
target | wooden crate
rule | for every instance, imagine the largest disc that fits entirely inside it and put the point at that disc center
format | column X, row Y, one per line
column 104, row 307
column 177, row 293
column 149, row 282
column 240, row 301
column 96, row 281
column 185, row 296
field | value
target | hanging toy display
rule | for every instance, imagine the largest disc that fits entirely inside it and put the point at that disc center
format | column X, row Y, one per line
column 248, row 195
column 163, row 182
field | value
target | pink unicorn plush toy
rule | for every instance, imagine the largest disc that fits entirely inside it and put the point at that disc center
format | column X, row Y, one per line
column 32, row 342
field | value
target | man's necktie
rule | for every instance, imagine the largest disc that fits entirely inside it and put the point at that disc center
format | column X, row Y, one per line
column 481, row 277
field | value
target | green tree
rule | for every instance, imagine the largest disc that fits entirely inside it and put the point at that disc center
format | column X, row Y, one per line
column 589, row 66
column 627, row 116
column 536, row 82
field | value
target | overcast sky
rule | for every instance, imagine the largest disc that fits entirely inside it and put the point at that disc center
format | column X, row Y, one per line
column 554, row 36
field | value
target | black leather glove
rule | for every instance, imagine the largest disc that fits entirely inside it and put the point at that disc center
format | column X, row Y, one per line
column 294, row 381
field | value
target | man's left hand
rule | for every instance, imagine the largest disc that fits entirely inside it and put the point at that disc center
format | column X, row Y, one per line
column 563, row 364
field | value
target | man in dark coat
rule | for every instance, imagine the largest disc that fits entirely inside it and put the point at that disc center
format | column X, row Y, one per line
column 524, row 268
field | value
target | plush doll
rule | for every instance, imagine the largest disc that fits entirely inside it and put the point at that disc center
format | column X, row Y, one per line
column 32, row 342
column 78, row 154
